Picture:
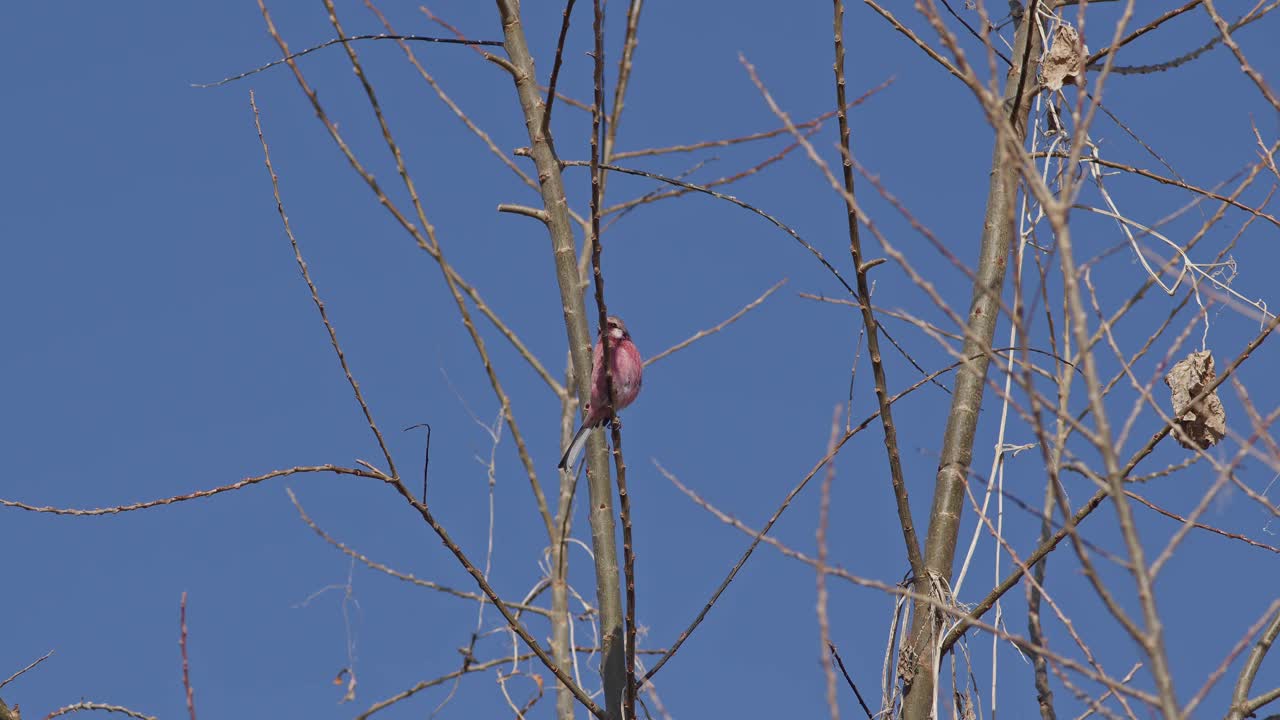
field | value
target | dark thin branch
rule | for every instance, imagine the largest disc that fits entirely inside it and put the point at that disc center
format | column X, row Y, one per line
column 626, row 694
column 555, row 70
column 1209, row 528
column 1098, row 56
column 1035, row 629
column 340, row 41
column 836, row 656
column 1256, row 212
column 1030, row 17
column 973, row 32
column 1180, row 60
column 426, row 458
column 897, row 479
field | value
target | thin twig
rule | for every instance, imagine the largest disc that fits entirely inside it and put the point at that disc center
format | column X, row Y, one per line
column 199, row 494
column 1225, row 29
column 104, row 707
column 555, row 69
column 820, row 539
column 1035, row 631
column 1215, row 530
column 426, row 456
column 315, row 293
column 657, row 194
column 345, row 40
column 713, row 330
column 18, row 674
column 628, row 694
column 625, row 60
column 407, row 577
column 764, row 135
column 186, row 665
column 1152, row 25
column 852, row 685
column 430, row 80
column 896, row 477
column 1254, row 15
column 755, row 542
column 425, row 684
column 728, row 198
column 1175, row 183
column 913, row 37
column 620, row 210
column 509, row 66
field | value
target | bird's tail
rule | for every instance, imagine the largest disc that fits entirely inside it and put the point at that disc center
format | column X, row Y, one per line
column 570, row 457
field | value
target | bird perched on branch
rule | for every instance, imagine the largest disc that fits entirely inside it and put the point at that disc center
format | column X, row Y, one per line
column 626, row 371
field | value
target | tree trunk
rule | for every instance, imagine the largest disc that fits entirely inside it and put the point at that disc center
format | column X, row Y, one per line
column 599, row 480
column 998, row 235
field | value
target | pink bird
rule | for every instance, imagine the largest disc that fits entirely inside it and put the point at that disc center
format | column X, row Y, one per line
column 627, row 369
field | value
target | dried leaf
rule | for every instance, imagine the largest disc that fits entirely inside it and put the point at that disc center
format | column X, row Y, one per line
column 1064, row 63
column 1204, row 423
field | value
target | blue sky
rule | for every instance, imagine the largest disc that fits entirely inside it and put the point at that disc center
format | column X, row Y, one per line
column 160, row 341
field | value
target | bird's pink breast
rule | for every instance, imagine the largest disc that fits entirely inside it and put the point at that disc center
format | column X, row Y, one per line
column 628, row 369
column 627, row 372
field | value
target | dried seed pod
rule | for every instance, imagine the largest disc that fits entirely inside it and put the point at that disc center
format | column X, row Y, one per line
column 1064, row 63
column 1204, row 423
